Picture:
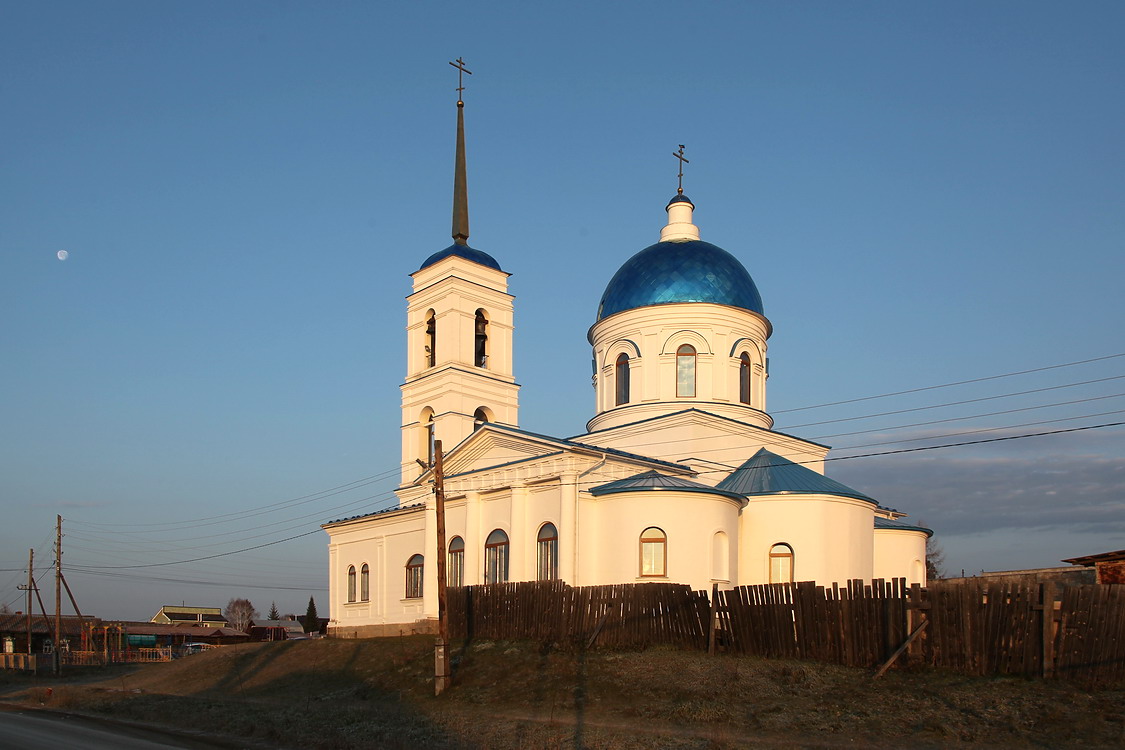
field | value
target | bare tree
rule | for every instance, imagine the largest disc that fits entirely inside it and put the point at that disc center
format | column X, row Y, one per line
column 935, row 558
column 239, row 613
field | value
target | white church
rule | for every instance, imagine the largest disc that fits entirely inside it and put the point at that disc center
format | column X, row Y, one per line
column 679, row 476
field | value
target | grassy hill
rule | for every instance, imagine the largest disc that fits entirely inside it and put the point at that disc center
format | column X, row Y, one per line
column 379, row 694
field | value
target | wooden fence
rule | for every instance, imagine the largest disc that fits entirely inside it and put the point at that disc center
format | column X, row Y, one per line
column 1077, row 632
column 624, row 615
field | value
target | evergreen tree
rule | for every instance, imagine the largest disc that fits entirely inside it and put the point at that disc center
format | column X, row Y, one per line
column 312, row 620
column 273, row 615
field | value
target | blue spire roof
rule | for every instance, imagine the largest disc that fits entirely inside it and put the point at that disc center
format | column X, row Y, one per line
column 692, row 271
column 462, row 251
column 767, row 473
column 652, row 480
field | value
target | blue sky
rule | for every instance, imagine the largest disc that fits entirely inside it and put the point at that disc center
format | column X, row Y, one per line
column 924, row 193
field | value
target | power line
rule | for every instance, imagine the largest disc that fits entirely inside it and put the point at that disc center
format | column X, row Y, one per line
column 241, row 584
column 959, row 403
column 950, row 385
column 196, row 559
column 331, row 491
column 94, row 568
column 985, row 429
column 970, row 416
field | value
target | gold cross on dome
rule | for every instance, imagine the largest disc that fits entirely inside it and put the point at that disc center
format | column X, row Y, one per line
column 460, row 65
column 680, row 155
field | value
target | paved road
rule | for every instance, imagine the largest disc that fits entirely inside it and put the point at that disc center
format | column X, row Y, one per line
column 35, row 731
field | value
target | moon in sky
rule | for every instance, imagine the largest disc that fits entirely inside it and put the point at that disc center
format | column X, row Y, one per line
column 63, row 254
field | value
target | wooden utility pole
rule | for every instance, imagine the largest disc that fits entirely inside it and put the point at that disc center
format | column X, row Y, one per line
column 58, row 595
column 30, row 588
column 441, row 646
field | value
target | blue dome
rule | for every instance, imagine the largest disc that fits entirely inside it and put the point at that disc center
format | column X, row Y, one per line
column 462, row 251
column 691, row 271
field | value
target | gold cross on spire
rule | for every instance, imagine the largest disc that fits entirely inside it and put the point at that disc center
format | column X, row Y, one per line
column 460, row 65
column 679, row 155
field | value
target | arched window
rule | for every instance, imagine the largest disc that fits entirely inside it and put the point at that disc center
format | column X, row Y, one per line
column 431, row 339
column 781, row 563
column 364, row 583
column 480, row 416
column 654, row 549
column 548, row 545
column 351, row 583
column 480, row 340
column 426, row 449
column 414, row 567
column 496, row 557
column 685, row 371
column 744, row 378
column 455, row 565
column 720, row 557
column 621, row 376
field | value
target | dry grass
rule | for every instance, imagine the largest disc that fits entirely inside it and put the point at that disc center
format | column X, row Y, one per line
column 378, row 693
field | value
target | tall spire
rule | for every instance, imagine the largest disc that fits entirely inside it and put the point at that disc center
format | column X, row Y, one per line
column 460, row 184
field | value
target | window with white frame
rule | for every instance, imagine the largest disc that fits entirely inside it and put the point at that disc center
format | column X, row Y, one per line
column 351, row 583
column 455, row 563
column 685, row 371
column 547, row 544
column 744, row 378
column 781, row 563
column 496, row 557
column 621, row 378
column 414, row 569
column 364, row 583
column 654, row 552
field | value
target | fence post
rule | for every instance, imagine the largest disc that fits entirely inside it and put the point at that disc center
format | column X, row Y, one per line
column 1047, row 611
column 713, row 620
column 914, row 615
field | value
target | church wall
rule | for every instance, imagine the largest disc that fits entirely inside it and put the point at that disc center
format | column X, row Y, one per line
column 700, row 437
column 689, row 519
column 385, row 545
column 900, row 554
column 830, row 537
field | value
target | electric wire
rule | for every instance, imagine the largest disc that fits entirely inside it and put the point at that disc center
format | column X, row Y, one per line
column 958, row 403
column 971, row 416
column 947, row 435
column 576, row 483
column 260, row 510
column 950, row 385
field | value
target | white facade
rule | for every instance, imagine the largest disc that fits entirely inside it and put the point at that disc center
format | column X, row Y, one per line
column 679, row 477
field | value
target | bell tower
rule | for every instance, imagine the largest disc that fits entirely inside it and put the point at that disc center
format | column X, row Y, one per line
column 459, row 323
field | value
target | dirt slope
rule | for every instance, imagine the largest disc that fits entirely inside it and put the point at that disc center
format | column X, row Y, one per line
column 378, row 693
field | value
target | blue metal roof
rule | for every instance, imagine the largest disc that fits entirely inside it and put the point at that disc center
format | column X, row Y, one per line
column 651, row 480
column 462, row 251
column 668, row 272
column 681, row 198
column 767, row 473
column 587, row 446
column 889, row 523
column 385, row 511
